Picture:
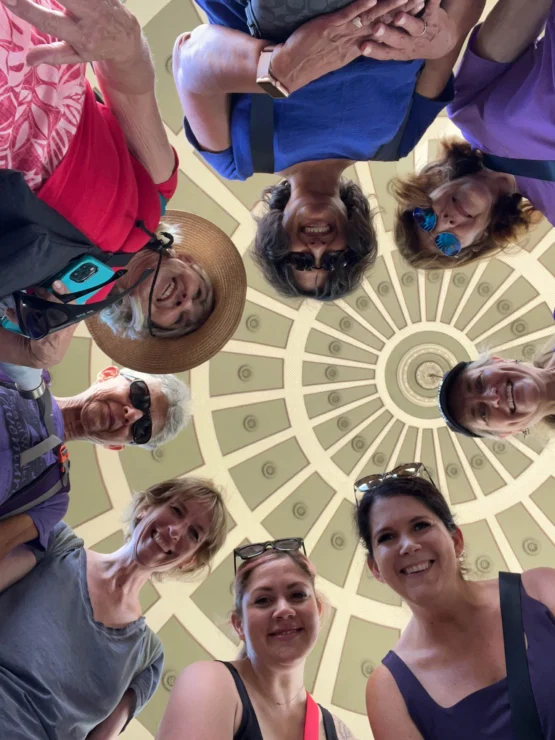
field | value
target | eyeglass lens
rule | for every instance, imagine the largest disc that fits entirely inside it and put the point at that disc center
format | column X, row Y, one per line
column 447, row 243
column 140, row 399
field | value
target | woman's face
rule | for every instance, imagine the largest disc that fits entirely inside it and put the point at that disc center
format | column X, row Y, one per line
column 502, row 398
column 315, row 224
column 463, row 207
column 412, row 550
column 280, row 621
column 170, row 534
column 182, row 295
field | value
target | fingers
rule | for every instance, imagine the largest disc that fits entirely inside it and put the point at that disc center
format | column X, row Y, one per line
column 57, row 53
column 351, row 11
column 414, row 26
column 374, row 50
column 393, row 37
column 49, row 21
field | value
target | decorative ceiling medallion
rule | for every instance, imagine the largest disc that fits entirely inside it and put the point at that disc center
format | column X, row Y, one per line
column 252, row 323
column 484, row 564
column 367, row 667
column 250, row 423
column 531, row 546
column 420, row 371
column 300, row 510
column 331, row 372
column 338, row 540
column 269, row 470
column 168, row 680
column 244, row 373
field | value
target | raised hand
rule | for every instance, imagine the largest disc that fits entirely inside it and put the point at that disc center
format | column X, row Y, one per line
column 430, row 37
column 92, row 31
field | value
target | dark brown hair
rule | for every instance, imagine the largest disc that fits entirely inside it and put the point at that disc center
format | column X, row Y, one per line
column 511, row 218
column 418, row 488
column 272, row 244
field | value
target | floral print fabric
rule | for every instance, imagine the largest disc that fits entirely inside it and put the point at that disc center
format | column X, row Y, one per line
column 40, row 107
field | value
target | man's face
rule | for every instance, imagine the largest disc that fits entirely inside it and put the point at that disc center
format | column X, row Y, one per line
column 107, row 414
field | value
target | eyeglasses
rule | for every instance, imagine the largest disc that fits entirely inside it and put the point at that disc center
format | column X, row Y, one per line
column 446, row 242
column 139, row 395
column 410, row 470
column 305, row 261
column 37, row 317
column 247, row 552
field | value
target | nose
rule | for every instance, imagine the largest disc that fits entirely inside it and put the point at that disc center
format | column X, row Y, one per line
column 131, row 415
column 184, row 299
column 450, row 218
column 408, row 546
column 283, row 609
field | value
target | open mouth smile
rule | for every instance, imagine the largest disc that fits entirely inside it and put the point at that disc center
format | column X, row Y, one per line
column 168, row 291
column 318, row 229
column 155, row 534
column 286, row 634
column 510, row 397
column 411, row 570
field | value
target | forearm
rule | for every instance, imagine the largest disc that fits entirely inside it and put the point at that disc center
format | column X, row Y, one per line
column 510, row 28
column 128, row 89
column 111, row 727
column 215, row 60
column 16, row 565
column 436, row 72
column 16, row 531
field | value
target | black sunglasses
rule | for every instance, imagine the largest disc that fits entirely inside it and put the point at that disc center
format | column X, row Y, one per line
column 139, row 395
column 37, row 317
column 305, row 261
column 410, row 470
column 247, row 552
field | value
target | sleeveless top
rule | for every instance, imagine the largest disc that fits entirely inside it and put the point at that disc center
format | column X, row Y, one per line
column 486, row 712
column 249, row 729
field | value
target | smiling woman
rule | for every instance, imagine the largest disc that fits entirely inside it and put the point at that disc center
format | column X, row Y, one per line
column 447, row 675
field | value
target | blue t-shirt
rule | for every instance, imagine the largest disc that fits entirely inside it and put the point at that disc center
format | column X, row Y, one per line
column 347, row 114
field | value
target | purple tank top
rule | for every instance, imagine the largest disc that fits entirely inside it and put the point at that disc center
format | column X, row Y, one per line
column 486, row 713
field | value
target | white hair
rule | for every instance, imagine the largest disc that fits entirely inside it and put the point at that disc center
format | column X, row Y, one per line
column 178, row 397
column 126, row 317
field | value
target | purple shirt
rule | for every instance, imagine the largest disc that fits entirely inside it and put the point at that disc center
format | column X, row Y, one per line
column 21, row 428
column 509, row 109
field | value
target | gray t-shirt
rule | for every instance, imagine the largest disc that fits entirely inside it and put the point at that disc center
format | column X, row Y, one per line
column 61, row 672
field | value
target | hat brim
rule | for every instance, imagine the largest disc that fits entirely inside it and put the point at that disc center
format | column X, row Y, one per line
column 214, row 251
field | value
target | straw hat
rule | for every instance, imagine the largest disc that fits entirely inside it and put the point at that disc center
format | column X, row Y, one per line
column 218, row 256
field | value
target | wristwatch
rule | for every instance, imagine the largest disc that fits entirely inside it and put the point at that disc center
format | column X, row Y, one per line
column 264, row 78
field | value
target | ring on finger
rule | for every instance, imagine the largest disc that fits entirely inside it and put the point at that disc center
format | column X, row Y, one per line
column 424, row 29
column 357, row 22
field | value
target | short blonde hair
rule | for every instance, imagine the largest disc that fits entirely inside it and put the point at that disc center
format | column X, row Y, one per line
column 511, row 219
column 185, row 489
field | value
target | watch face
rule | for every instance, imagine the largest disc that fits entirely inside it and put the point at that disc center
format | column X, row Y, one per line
column 270, row 89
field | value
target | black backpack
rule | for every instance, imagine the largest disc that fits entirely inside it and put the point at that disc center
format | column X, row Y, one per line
column 36, row 242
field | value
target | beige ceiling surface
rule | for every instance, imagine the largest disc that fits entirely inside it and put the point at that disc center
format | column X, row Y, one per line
column 307, row 397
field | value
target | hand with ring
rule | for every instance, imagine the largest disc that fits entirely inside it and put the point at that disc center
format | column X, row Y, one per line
column 430, row 37
column 326, row 43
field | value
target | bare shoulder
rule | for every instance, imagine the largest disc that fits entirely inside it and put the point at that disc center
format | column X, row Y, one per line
column 539, row 584
column 343, row 732
column 387, row 711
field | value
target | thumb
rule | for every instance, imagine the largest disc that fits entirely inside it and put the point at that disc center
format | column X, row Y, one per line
column 59, row 52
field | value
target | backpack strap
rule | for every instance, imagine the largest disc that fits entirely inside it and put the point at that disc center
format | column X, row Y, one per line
column 262, row 133
column 52, row 480
column 329, row 724
column 537, row 169
column 524, row 713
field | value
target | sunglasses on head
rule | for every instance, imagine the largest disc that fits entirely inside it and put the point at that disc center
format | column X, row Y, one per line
column 410, row 470
column 139, row 395
column 247, row 552
column 305, row 261
column 446, row 242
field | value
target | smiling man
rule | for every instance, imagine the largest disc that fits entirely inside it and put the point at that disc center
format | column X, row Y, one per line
column 120, row 408
column 496, row 397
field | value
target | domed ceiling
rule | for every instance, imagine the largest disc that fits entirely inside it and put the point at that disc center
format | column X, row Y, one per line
column 306, row 398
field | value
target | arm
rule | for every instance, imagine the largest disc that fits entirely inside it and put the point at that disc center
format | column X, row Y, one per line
column 436, row 72
column 510, row 28
column 387, row 712
column 16, row 565
column 15, row 531
column 111, row 727
column 540, row 585
column 341, row 729
column 201, row 706
column 128, row 90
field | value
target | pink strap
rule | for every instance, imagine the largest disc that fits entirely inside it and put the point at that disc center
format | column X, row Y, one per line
column 312, row 719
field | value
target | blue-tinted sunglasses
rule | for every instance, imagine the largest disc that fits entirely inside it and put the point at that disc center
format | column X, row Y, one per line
column 446, row 242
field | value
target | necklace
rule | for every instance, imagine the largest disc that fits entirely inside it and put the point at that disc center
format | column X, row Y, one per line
column 283, row 703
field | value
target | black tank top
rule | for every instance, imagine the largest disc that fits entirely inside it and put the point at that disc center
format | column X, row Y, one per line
column 249, row 729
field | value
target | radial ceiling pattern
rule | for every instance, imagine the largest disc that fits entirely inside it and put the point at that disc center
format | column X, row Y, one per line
column 305, row 398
